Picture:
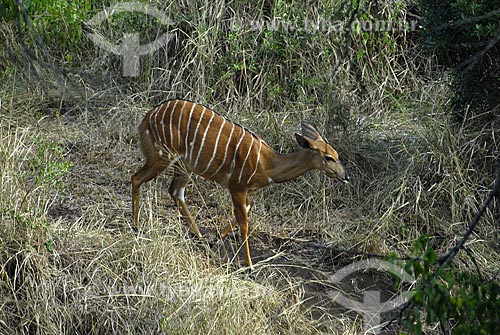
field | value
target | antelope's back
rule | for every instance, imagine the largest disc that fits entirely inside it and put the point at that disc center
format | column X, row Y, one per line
column 208, row 144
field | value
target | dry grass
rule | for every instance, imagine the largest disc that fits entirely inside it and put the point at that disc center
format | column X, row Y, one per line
column 98, row 276
column 72, row 264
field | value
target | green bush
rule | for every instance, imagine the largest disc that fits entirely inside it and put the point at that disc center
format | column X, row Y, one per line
column 464, row 37
column 61, row 25
column 459, row 301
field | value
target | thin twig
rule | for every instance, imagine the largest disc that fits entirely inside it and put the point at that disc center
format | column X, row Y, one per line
column 477, row 56
column 459, row 23
column 446, row 258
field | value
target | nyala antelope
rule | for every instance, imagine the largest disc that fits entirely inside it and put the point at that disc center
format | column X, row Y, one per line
column 190, row 137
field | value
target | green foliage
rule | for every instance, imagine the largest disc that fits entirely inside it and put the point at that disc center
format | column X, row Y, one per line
column 61, row 24
column 8, row 10
column 455, row 27
column 281, row 49
column 47, row 166
column 45, row 171
column 58, row 23
column 118, row 24
column 458, row 300
column 464, row 35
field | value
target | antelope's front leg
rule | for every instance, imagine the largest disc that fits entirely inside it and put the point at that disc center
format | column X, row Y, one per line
column 241, row 214
column 229, row 228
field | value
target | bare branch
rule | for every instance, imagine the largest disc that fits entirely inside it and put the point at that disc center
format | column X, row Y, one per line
column 459, row 23
column 477, row 57
column 448, row 257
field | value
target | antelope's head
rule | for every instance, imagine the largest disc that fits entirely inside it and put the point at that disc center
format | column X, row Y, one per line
column 328, row 158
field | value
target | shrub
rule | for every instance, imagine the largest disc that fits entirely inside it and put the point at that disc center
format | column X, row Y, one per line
column 461, row 301
column 464, row 37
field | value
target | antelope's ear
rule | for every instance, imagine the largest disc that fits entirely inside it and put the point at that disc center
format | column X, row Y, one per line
column 310, row 132
column 306, row 142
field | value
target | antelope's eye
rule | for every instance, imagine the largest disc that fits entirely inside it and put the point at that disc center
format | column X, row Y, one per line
column 330, row 158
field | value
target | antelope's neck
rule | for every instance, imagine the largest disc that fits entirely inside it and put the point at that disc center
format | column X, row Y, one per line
column 291, row 166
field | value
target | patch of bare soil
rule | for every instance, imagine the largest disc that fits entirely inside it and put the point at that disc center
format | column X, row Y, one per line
column 310, row 264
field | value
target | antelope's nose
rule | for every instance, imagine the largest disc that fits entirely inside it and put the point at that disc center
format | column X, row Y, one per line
column 347, row 178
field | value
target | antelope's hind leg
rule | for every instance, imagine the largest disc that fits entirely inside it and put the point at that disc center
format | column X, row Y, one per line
column 176, row 190
column 143, row 175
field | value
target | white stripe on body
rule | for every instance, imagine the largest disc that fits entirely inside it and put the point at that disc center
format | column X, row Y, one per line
column 196, row 133
column 203, row 139
column 155, row 123
column 216, row 146
column 188, row 129
column 170, row 124
column 256, row 163
column 235, row 154
column 179, row 126
column 164, row 137
column 225, row 151
column 246, row 158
